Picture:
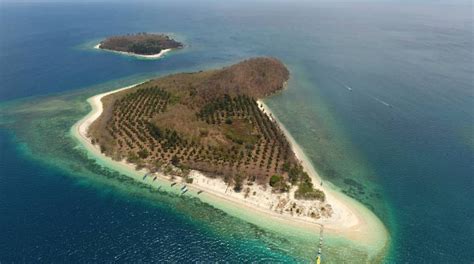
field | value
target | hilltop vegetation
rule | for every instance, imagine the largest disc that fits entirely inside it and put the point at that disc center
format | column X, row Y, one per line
column 207, row 121
column 141, row 43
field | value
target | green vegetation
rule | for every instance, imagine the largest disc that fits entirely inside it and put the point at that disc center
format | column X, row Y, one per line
column 192, row 121
column 305, row 187
column 278, row 183
column 306, row 191
column 141, row 43
column 275, row 180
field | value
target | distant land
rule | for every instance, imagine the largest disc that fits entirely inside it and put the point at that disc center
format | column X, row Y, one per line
column 141, row 44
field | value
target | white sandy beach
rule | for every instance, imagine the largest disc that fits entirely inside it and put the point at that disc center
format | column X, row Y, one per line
column 152, row 56
column 350, row 219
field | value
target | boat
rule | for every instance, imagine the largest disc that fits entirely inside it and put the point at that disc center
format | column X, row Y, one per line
column 184, row 187
column 154, row 178
column 318, row 259
column 144, row 177
column 173, row 184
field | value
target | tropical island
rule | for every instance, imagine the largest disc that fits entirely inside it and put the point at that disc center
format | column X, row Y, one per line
column 209, row 135
column 145, row 45
column 209, row 122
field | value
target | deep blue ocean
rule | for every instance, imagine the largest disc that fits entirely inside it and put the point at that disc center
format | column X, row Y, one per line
column 381, row 99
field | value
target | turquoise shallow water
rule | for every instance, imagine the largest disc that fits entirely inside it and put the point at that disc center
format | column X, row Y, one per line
column 400, row 142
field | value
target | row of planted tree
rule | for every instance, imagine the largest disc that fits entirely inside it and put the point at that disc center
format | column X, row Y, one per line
column 139, row 140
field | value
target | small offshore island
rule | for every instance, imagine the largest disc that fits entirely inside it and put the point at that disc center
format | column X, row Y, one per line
column 144, row 45
column 208, row 132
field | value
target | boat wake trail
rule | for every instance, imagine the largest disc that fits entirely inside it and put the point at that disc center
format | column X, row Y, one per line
column 349, row 88
column 381, row 101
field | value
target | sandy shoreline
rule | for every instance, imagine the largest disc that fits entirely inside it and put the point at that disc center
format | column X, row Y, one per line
column 354, row 218
column 152, row 56
column 350, row 219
